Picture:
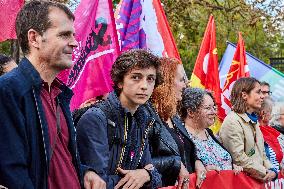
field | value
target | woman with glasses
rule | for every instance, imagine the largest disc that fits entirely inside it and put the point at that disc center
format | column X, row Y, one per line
column 198, row 111
column 240, row 132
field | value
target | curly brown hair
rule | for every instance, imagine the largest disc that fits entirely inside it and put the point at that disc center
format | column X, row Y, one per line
column 164, row 97
column 134, row 58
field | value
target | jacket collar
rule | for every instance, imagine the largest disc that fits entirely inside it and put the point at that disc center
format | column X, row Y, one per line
column 114, row 100
column 180, row 125
column 33, row 77
column 31, row 74
column 246, row 118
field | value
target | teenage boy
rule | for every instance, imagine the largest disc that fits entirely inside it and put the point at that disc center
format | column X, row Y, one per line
column 112, row 136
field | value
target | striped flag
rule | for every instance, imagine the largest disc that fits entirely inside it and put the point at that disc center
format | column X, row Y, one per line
column 143, row 24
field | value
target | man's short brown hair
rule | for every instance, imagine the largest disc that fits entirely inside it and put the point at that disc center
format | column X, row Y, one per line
column 34, row 15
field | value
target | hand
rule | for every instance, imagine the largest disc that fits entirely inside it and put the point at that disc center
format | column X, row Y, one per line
column 213, row 168
column 93, row 181
column 270, row 175
column 183, row 177
column 200, row 173
column 237, row 169
column 133, row 179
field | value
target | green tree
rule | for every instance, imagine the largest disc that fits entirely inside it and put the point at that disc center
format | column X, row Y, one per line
column 258, row 20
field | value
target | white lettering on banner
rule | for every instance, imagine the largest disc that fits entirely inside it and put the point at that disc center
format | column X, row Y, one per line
column 277, row 184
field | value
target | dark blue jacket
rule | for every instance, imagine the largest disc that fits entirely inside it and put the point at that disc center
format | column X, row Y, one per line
column 24, row 140
column 165, row 152
column 129, row 147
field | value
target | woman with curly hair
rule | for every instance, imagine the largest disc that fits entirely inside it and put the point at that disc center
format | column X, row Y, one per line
column 172, row 151
column 198, row 111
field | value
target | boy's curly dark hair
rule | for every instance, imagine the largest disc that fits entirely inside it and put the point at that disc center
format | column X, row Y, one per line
column 135, row 58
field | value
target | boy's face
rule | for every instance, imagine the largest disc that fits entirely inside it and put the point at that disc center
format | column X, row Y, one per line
column 137, row 87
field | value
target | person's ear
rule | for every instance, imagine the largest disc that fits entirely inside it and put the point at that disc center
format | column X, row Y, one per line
column 244, row 95
column 33, row 38
column 190, row 113
column 120, row 85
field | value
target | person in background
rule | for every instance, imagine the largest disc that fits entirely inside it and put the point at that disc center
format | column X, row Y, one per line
column 6, row 64
column 273, row 139
column 265, row 89
column 277, row 118
column 37, row 137
column 112, row 135
column 240, row 132
column 172, row 150
column 198, row 111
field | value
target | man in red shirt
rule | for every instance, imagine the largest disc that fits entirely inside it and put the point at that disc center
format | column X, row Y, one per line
column 37, row 138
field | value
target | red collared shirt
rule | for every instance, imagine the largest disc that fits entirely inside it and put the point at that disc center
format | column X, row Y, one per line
column 62, row 172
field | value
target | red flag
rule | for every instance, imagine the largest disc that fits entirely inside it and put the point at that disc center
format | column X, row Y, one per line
column 239, row 68
column 9, row 10
column 205, row 73
column 226, row 179
column 98, row 48
column 271, row 137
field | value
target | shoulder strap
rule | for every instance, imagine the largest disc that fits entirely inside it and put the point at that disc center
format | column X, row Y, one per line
column 109, row 112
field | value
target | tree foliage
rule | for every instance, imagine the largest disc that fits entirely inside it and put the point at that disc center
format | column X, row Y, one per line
column 258, row 20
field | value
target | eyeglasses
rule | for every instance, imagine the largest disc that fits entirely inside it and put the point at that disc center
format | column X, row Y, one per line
column 208, row 108
column 266, row 92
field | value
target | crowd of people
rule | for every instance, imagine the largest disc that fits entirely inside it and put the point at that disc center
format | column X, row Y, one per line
column 152, row 131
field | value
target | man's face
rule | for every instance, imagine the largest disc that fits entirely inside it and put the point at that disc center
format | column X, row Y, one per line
column 265, row 91
column 137, row 87
column 57, row 42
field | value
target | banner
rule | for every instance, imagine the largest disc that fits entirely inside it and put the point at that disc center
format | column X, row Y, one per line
column 143, row 24
column 9, row 10
column 228, row 180
column 205, row 73
column 97, row 51
column 258, row 69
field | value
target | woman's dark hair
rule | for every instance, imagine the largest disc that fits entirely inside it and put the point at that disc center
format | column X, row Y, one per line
column 245, row 84
column 135, row 58
column 192, row 99
column 4, row 60
column 34, row 15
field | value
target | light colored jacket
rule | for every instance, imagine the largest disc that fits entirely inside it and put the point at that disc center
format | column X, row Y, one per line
column 243, row 139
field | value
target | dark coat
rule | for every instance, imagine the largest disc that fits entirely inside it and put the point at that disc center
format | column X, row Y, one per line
column 94, row 138
column 24, row 139
column 164, row 150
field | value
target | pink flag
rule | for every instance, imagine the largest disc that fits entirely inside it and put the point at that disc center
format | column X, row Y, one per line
column 9, row 10
column 97, row 50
